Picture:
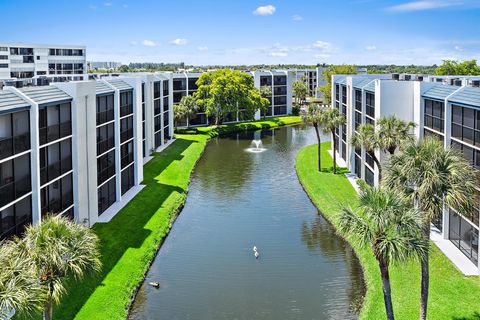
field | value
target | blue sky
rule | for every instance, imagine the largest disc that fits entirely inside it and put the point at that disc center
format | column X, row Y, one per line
column 249, row 32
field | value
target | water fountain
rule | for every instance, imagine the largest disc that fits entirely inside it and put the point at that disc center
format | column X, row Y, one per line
column 256, row 146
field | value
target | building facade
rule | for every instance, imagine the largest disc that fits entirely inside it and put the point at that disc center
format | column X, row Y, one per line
column 77, row 148
column 28, row 64
column 447, row 112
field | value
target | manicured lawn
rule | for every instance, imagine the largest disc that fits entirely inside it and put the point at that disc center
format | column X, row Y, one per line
column 270, row 122
column 131, row 239
column 452, row 295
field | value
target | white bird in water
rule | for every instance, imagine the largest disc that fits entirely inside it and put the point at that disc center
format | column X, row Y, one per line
column 256, row 254
column 254, row 248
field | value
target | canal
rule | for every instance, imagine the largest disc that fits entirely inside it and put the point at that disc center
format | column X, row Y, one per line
column 239, row 199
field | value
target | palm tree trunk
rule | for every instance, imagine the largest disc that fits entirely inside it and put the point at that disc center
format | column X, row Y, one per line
column 334, row 152
column 387, row 293
column 319, row 147
column 188, row 122
column 378, row 166
column 425, row 276
column 47, row 313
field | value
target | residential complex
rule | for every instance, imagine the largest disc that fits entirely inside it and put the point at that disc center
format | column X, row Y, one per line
column 444, row 107
column 27, row 64
column 78, row 148
column 313, row 78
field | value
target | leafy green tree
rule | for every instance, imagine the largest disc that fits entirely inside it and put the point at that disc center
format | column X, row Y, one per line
column 189, row 107
column 265, row 92
column 332, row 119
column 387, row 223
column 124, row 69
column 224, row 91
column 327, row 75
column 428, row 173
column 300, row 90
column 179, row 113
column 59, row 248
column 452, row 67
column 20, row 290
column 315, row 116
column 390, row 133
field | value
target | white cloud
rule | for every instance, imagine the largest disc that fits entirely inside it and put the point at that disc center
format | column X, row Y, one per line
column 107, row 4
column 278, row 54
column 149, row 43
column 202, row 48
column 370, row 48
column 322, row 45
column 265, row 10
column 424, row 5
column 297, row 17
column 179, row 42
column 458, row 48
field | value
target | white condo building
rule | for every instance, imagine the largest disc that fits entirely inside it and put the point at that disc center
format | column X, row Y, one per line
column 78, row 148
column 24, row 64
column 445, row 107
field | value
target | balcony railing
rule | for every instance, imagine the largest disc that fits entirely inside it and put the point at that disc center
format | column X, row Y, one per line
column 105, row 174
column 56, row 169
column 125, row 110
column 13, row 145
column 55, row 132
column 126, row 135
column 105, row 145
column 126, row 160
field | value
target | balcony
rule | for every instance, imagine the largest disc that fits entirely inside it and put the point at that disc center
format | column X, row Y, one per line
column 126, row 160
column 13, row 145
column 126, row 110
column 55, row 132
column 56, row 169
column 105, row 174
column 105, row 145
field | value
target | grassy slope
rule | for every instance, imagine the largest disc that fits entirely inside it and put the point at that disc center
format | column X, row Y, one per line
column 130, row 241
column 452, row 296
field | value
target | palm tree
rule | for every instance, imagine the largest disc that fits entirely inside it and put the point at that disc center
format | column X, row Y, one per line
column 314, row 116
column 428, row 173
column 390, row 134
column 59, row 248
column 179, row 113
column 20, row 291
column 394, row 132
column 332, row 119
column 265, row 92
column 189, row 104
column 365, row 137
column 387, row 223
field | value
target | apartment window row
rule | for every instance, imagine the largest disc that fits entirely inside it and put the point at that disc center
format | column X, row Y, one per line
column 15, row 180
column 21, row 51
column 344, row 94
column 105, row 138
column 15, row 218
column 156, row 90
column 337, row 92
column 126, row 154
column 3, row 57
column 127, row 179
column 279, row 80
column 105, row 167
column 358, row 100
column 370, row 104
column 105, row 109
column 165, row 87
column 55, row 160
column 54, row 122
column 369, row 160
column 57, row 196
column 192, row 84
column 4, row 66
column 66, row 52
column 464, row 236
column 265, row 81
column 179, row 84
column 21, row 74
column 358, row 165
column 471, row 154
column 369, row 176
column 157, row 107
column 466, row 124
column 14, row 133
column 126, row 129
column 358, row 119
column 107, row 195
column 126, row 103
column 434, row 115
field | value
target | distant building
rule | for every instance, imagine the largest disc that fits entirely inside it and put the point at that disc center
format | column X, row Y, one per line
column 29, row 64
column 103, row 65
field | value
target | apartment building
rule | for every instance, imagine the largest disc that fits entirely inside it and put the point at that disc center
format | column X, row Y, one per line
column 77, row 148
column 281, row 82
column 185, row 84
column 448, row 112
column 313, row 78
column 29, row 64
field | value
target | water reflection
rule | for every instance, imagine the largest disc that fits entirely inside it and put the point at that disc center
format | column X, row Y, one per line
column 236, row 199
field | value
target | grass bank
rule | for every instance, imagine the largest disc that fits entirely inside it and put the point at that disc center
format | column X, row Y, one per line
column 268, row 123
column 452, row 295
column 131, row 239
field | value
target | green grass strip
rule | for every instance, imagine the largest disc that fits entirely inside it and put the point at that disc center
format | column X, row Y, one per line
column 452, row 295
